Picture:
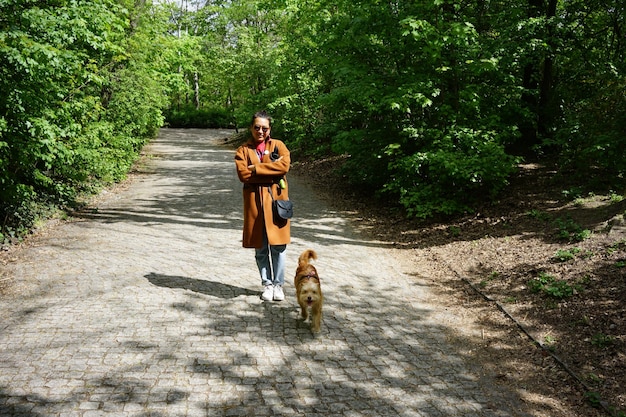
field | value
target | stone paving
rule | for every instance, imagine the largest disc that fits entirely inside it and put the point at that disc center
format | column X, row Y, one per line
column 149, row 306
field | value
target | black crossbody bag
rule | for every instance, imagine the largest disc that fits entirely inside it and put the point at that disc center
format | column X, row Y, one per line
column 283, row 209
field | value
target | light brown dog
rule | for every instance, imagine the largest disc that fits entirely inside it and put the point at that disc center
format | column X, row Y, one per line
column 308, row 290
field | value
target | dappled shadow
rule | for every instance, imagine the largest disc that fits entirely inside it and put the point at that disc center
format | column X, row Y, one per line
column 377, row 351
column 196, row 185
column 121, row 392
column 173, row 344
column 193, row 184
column 493, row 246
column 221, row 353
column 534, row 206
column 528, row 222
column 13, row 404
column 565, row 325
column 214, row 289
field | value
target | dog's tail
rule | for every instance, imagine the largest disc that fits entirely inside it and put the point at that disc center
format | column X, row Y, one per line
column 306, row 256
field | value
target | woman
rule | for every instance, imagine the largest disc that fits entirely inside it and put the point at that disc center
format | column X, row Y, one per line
column 262, row 163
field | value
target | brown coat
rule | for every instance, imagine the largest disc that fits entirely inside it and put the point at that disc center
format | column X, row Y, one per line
column 257, row 202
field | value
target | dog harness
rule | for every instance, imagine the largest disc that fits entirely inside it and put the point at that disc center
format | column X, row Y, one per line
column 309, row 275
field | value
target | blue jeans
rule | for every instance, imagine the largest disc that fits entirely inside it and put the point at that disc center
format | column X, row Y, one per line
column 271, row 263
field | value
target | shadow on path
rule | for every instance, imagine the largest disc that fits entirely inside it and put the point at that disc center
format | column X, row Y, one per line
column 212, row 288
column 145, row 335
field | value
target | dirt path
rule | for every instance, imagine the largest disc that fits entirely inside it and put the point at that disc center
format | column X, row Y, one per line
column 148, row 306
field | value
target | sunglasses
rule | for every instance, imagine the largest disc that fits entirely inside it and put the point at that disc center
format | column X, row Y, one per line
column 264, row 129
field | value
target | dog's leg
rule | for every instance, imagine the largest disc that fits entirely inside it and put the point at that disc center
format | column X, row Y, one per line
column 316, row 319
column 304, row 311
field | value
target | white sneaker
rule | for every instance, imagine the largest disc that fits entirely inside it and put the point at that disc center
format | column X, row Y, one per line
column 279, row 295
column 268, row 293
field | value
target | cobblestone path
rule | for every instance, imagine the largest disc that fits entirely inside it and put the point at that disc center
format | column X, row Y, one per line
column 149, row 306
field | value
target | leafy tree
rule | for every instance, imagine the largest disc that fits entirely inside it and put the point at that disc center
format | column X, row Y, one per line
column 407, row 98
column 77, row 101
column 432, row 102
column 591, row 134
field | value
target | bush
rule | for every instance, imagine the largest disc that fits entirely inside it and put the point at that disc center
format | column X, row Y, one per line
column 450, row 174
column 190, row 117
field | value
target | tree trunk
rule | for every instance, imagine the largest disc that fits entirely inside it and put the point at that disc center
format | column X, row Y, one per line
column 545, row 111
column 196, row 90
column 537, row 81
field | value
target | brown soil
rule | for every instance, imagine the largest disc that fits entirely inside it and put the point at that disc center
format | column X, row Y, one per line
column 545, row 278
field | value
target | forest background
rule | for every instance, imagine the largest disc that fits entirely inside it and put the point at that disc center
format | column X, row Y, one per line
column 430, row 105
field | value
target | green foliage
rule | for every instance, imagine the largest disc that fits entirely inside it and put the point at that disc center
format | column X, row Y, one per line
column 78, row 101
column 570, row 230
column 199, row 118
column 550, row 342
column 593, row 65
column 451, row 174
column 552, row 287
column 602, row 340
column 593, row 398
column 615, row 197
column 564, row 255
column 539, row 215
column 454, row 231
column 429, row 103
column 389, row 105
column 494, row 275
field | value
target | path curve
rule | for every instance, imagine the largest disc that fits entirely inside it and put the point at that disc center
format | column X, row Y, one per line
column 149, row 306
